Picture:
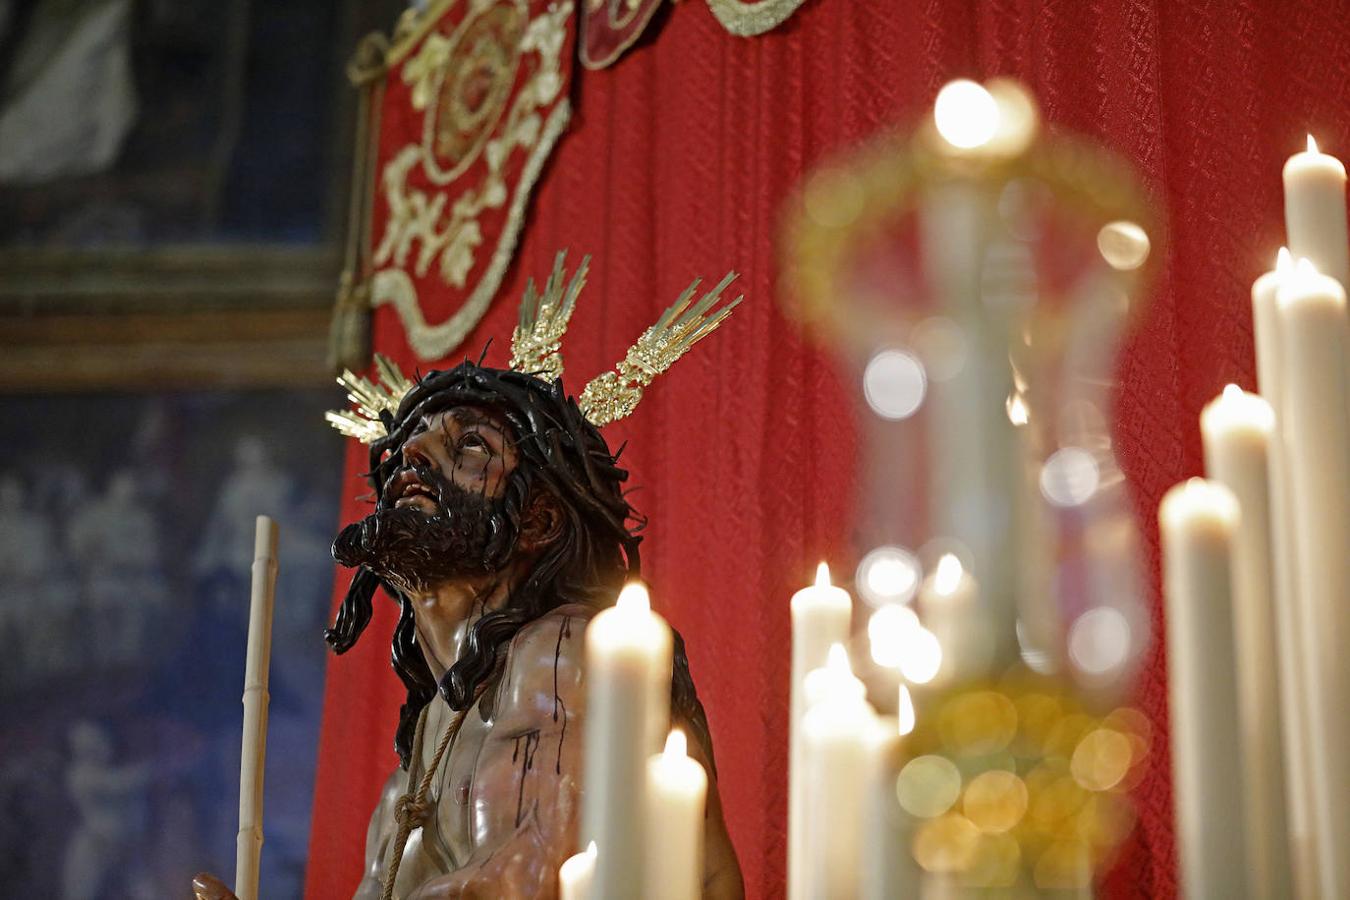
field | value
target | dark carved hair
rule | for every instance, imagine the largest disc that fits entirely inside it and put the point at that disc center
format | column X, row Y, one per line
column 557, row 451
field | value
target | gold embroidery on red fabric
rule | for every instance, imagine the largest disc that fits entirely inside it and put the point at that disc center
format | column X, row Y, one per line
column 461, row 82
column 751, row 17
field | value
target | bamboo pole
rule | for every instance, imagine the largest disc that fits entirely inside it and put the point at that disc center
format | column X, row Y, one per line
column 249, row 844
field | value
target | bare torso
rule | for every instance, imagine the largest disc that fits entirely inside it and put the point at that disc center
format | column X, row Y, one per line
column 505, row 799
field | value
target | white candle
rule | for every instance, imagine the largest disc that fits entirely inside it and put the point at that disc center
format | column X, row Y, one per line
column 888, row 869
column 821, row 616
column 835, row 734
column 1197, row 520
column 576, row 874
column 628, row 666
column 949, row 604
column 248, row 843
column 677, row 792
column 1238, row 428
column 1294, row 664
column 1313, row 333
column 1314, row 211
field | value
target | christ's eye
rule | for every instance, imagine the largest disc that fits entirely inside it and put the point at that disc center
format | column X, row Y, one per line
column 474, row 443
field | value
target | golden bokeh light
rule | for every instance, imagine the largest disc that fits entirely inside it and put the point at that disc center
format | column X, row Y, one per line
column 1057, row 802
column 946, row 844
column 928, row 786
column 1101, row 759
column 978, row 723
column 1015, row 782
column 995, row 801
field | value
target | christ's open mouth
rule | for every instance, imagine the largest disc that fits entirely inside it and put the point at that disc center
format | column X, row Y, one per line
column 408, row 489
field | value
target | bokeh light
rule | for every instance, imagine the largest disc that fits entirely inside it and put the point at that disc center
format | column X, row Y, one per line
column 1099, row 641
column 946, row 844
column 995, row 801
column 966, row 114
column 888, row 634
column 894, row 384
column 928, row 786
column 1101, row 759
column 1124, row 245
column 922, row 656
column 1070, row 477
column 888, row 574
column 1016, row 783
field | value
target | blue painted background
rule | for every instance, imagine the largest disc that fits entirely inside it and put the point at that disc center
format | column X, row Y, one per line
column 126, row 531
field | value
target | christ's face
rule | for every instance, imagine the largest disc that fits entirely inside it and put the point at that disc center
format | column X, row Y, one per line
column 441, row 515
column 469, row 447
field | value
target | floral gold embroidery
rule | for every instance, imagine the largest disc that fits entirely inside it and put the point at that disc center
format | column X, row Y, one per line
column 476, row 109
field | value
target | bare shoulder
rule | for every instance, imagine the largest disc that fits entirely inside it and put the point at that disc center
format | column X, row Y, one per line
column 544, row 663
column 559, row 633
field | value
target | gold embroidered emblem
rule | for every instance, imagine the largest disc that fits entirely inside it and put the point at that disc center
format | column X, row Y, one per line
column 489, row 92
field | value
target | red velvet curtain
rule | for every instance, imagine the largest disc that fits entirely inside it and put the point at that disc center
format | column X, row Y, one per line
column 677, row 164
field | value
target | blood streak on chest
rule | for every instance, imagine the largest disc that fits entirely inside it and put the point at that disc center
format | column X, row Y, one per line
column 564, row 631
column 523, row 755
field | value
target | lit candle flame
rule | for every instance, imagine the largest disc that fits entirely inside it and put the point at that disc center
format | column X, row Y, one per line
column 1284, row 262
column 1312, row 144
column 577, row 868
column 677, row 745
column 634, row 598
column 837, row 661
column 948, row 575
column 1233, row 392
column 1304, row 274
column 823, row 574
column 906, row 711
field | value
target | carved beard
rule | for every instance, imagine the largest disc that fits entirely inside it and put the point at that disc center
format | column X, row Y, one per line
column 414, row 551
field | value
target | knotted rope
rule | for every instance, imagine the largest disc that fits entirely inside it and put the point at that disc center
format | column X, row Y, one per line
column 413, row 809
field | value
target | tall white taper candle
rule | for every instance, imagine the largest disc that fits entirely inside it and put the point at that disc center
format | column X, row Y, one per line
column 1238, row 428
column 1197, row 520
column 1313, row 331
column 576, row 874
column 821, row 616
column 835, row 734
column 677, row 794
column 248, row 847
column 1294, row 663
column 1314, row 211
column 628, row 666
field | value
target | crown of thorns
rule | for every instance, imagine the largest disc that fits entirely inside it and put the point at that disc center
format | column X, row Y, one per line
column 536, row 349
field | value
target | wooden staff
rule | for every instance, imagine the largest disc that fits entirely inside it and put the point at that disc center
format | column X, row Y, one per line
column 249, row 846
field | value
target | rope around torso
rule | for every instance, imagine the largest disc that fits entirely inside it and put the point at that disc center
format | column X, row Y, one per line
column 412, row 808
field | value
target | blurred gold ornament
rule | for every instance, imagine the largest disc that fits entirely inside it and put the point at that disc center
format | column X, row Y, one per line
column 536, row 349
column 1016, row 782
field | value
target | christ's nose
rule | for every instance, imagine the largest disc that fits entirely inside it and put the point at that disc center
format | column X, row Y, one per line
column 416, row 451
